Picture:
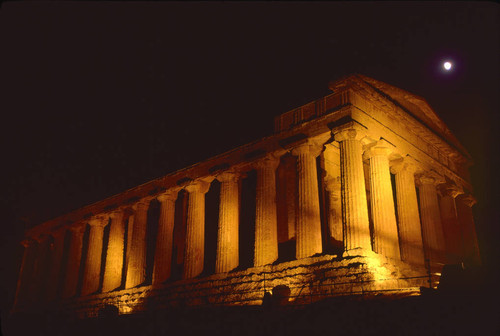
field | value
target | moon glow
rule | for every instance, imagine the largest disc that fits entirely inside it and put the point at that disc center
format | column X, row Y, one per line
column 447, row 66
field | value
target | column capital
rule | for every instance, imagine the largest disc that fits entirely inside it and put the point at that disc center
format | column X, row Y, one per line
column 381, row 148
column 308, row 147
column 78, row 227
column 116, row 213
column 430, row 178
column 60, row 231
column 200, row 186
column 142, row 204
column 449, row 189
column 467, row 199
column 228, row 176
column 99, row 220
column 349, row 131
column 269, row 161
column 169, row 195
column 407, row 163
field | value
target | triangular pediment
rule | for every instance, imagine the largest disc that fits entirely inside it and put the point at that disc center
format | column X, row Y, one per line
column 414, row 105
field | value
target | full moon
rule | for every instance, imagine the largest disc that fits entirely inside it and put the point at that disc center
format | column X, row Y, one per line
column 447, row 66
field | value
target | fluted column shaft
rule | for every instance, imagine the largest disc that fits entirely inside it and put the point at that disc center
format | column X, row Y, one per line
column 136, row 265
column 55, row 264
column 92, row 268
column 24, row 289
column 355, row 207
column 164, row 239
column 385, row 230
column 451, row 229
column 410, row 233
column 432, row 230
column 195, row 230
column 114, row 253
column 227, row 257
column 308, row 221
column 466, row 221
column 266, row 231
column 70, row 282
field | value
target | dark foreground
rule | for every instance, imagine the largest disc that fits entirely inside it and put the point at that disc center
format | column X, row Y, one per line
column 429, row 314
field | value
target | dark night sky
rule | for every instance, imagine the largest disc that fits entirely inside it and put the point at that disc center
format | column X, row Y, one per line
column 100, row 97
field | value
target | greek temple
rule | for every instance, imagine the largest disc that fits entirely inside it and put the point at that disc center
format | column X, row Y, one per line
column 364, row 191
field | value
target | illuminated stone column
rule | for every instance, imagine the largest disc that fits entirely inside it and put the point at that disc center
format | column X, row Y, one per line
column 385, row 229
column 451, row 229
column 195, row 229
column 136, row 265
column 308, row 221
column 227, row 257
column 92, row 268
column 55, row 264
column 24, row 289
column 332, row 183
column 164, row 239
column 410, row 232
column 355, row 207
column 266, row 231
column 466, row 220
column 114, row 253
column 432, row 230
column 70, row 282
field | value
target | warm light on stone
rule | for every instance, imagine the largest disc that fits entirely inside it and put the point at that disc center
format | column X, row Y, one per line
column 308, row 225
column 136, row 262
column 92, row 266
column 332, row 181
column 195, row 230
column 385, row 231
column 227, row 257
column 410, row 233
column 266, row 235
column 432, row 230
column 355, row 211
column 322, row 181
column 164, row 239
column 114, row 253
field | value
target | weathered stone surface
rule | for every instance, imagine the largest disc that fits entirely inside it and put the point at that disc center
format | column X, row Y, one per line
column 309, row 280
column 227, row 255
column 136, row 259
column 115, row 252
column 195, row 231
column 355, row 209
column 266, row 235
column 92, row 266
column 432, row 230
column 345, row 204
column 308, row 222
column 164, row 240
column 385, row 231
column 410, row 236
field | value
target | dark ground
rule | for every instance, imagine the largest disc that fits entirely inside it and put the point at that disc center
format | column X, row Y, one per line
column 465, row 314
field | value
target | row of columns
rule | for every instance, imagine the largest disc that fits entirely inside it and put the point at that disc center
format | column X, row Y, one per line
column 408, row 238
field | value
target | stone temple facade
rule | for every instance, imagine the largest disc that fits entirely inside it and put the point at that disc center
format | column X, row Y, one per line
column 362, row 192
